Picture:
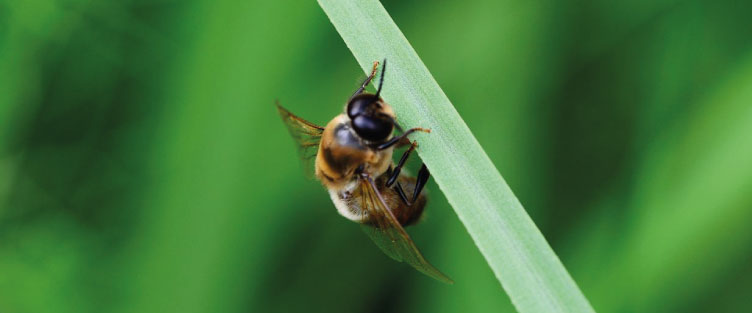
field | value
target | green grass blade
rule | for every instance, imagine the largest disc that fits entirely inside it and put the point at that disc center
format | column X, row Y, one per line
column 522, row 260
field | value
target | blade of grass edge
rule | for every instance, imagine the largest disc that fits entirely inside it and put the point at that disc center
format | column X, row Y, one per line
column 524, row 263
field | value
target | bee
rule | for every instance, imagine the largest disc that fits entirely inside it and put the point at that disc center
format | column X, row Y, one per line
column 352, row 157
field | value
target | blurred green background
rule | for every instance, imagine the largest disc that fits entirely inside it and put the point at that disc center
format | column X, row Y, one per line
column 143, row 166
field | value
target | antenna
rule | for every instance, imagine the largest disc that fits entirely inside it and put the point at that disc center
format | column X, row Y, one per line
column 381, row 81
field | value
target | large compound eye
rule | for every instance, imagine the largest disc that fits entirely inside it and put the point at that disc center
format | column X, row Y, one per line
column 372, row 128
column 361, row 104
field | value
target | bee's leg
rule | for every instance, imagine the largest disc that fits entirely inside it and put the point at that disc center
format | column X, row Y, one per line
column 403, row 142
column 421, row 181
column 397, row 139
column 401, row 194
column 396, row 172
column 368, row 79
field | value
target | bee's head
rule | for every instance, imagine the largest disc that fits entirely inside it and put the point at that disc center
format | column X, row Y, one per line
column 371, row 117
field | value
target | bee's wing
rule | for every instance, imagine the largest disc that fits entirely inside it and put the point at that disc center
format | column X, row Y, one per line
column 307, row 136
column 389, row 235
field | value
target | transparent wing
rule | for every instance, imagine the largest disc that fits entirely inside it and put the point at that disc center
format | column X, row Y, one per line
column 306, row 134
column 389, row 235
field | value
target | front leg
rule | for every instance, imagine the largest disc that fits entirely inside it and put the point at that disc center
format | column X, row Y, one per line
column 398, row 139
column 367, row 81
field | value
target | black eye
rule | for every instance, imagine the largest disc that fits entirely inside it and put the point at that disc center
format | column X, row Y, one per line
column 361, row 104
column 372, row 128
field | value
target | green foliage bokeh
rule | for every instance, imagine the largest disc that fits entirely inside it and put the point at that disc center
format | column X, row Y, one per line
column 143, row 166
